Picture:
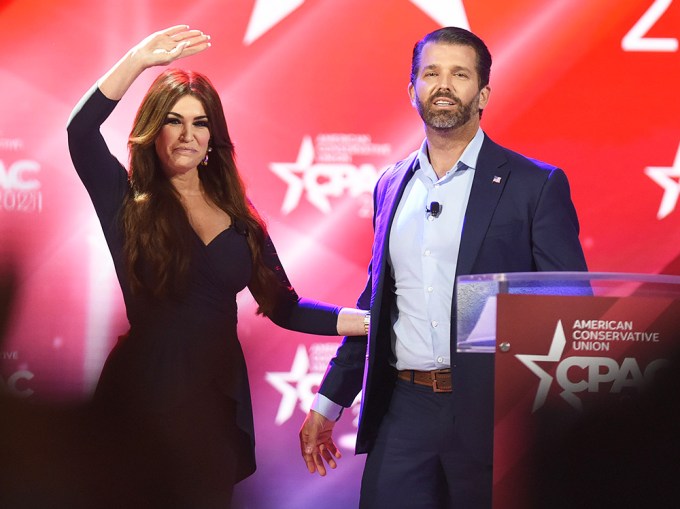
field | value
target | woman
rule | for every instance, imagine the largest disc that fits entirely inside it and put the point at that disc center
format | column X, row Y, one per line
column 184, row 241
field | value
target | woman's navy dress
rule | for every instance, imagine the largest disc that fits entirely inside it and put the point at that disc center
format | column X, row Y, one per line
column 179, row 373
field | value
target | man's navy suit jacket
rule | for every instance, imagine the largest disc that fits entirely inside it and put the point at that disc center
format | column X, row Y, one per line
column 519, row 218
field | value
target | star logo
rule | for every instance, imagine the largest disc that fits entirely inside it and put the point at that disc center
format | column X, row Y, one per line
column 287, row 173
column 554, row 354
column 299, row 386
column 444, row 13
column 296, row 386
column 668, row 178
column 268, row 13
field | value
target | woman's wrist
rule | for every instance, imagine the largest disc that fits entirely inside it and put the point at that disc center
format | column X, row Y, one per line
column 353, row 322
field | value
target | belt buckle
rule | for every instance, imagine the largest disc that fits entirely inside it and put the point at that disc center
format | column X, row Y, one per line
column 435, row 385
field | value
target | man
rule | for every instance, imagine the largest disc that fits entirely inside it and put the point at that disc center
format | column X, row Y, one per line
column 460, row 205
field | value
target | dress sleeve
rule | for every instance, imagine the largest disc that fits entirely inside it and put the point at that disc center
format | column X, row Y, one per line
column 103, row 176
column 295, row 313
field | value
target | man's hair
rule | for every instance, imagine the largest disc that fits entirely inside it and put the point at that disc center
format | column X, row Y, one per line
column 459, row 36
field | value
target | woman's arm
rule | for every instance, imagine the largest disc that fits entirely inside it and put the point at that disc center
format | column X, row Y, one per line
column 308, row 315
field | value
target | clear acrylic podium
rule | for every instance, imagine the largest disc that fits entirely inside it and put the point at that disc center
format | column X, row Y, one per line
column 566, row 346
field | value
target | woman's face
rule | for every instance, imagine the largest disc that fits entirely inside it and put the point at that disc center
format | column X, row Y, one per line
column 183, row 140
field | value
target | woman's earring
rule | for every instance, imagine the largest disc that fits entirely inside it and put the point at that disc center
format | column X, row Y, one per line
column 205, row 159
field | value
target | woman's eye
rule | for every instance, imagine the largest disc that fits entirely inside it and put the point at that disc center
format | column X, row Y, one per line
column 202, row 123
column 171, row 120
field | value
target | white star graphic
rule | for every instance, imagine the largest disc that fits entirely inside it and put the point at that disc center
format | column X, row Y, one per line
column 295, row 385
column 287, row 171
column 667, row 177
column 268, row 13
column 444, row 13
column 556, row 350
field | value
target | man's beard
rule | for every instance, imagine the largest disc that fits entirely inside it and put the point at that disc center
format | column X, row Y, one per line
column 446, row 119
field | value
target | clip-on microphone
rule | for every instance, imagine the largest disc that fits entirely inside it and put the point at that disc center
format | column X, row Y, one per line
column 435, row 209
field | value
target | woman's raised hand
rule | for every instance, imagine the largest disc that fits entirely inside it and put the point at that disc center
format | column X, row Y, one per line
column 159, row 48
column 166, row 46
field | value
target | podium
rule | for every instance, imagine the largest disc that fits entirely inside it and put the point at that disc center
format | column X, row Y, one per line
column 582, row 384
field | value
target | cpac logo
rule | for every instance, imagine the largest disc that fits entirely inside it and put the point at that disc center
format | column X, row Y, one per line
column 576, row 375
column 15, row 383
column 322, row 180
column 298, row 386
column 16, row 176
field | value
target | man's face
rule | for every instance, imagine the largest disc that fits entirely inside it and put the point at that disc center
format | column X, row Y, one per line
column 446, row 91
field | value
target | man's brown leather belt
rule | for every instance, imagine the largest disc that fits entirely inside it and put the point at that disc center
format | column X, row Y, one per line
column 438, row 380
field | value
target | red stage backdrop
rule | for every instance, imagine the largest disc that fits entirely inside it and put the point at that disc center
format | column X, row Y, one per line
column 315, row 96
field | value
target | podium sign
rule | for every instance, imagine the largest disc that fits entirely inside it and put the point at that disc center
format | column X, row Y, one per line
column 560, row 356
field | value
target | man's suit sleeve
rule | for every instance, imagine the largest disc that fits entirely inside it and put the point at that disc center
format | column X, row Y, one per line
column 344, row 376
column 555, row 228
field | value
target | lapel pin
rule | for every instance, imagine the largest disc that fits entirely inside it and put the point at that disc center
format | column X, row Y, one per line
column 496, row 180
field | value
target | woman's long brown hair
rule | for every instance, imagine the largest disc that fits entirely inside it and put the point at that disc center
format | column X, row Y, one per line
column 156, row 227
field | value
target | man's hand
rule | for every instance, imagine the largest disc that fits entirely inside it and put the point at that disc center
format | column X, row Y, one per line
column 316, row 443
